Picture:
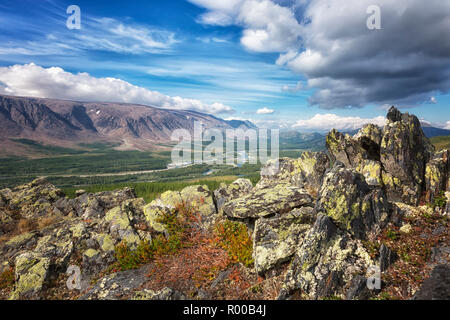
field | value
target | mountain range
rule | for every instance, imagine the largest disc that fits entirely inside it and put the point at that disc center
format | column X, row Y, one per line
column 69, row 123
column 128, row 126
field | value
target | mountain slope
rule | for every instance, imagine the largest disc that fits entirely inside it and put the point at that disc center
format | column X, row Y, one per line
column 68, row 123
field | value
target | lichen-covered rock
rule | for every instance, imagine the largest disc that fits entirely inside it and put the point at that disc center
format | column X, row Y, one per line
column 237, row 189
column 352, row 151
column 372, row 172
column 163, row 294
column 306, row 171
column 437, row 174
column 371, row 132
column 117, row 286
column 275, row 239
column 361, row 152
column 200, row 199
column 197, row 197
column 127, row 222
column 325, row 263
column 404, row 152
column 351, row 203
column 32, row 274
column 89, row 206
column 268, row 201
column 33, row 199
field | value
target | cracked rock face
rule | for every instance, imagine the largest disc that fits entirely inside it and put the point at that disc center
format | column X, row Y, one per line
column 436, row 175
column 235, row 190
column 306, row 172
column 34, row 199
column 326, row 262
column 275, row 239
column 268, row 201
column 404, row 152
column 352, row 204
column 394, row 157
column 116, row 286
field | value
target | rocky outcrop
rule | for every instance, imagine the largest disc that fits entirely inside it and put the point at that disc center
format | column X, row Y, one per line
column 326, row 262
column 404, row 152
column 268, row 201
column 305, row 172
column 437, row 287
column 314, row 221
column 394, row 157
column 88, row 205
column 198, row 197
column 437, row 175
column 352, row 204
column 33, row 199
column 237, row 189
column 275, row 239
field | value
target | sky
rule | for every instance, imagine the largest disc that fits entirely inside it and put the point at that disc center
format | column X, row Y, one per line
column 299, row 64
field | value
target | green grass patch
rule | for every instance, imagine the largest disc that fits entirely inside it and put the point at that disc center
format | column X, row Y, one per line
column 441, row 143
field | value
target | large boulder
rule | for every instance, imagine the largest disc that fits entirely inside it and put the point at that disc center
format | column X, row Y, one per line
column 235, row 190
column 437, row 175
column 352, row 204
column 127, row 222
column 404, row 152
column 268, row 201
column 275, row 239
column 361, row 152
column 197, row 198
column 306, row 172
column 89, row 205
column 34, row 199
column 32, row 275
column 117, row 286
column 326, row 263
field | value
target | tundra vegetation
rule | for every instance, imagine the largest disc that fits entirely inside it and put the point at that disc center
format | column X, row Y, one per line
column 314, row 229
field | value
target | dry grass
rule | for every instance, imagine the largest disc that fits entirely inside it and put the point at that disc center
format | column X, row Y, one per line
column 407, row 274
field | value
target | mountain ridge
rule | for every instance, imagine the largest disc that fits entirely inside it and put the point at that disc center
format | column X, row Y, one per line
column 68, row 123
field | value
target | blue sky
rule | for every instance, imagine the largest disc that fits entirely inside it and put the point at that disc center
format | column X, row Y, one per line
column 211, row 56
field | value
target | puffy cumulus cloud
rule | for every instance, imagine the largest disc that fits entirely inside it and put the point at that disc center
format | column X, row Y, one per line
column 325, row 122
column 54, row 82
column 268, row 26
column 265, row 110
column 348, row 65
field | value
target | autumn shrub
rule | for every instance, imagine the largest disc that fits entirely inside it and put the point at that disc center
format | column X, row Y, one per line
column 7, row 279
column 128, row 258
column 440, row 201
column 234, row 238
column 177, row 223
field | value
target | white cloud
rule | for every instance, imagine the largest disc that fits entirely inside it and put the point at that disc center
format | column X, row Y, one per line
column 447, row 126
column 348, row 65
column 298, row 87
column 265, row 110
column 105, row 34
column 433, row 100
column 268, row 27
column 325, row 122
column 54, row 82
